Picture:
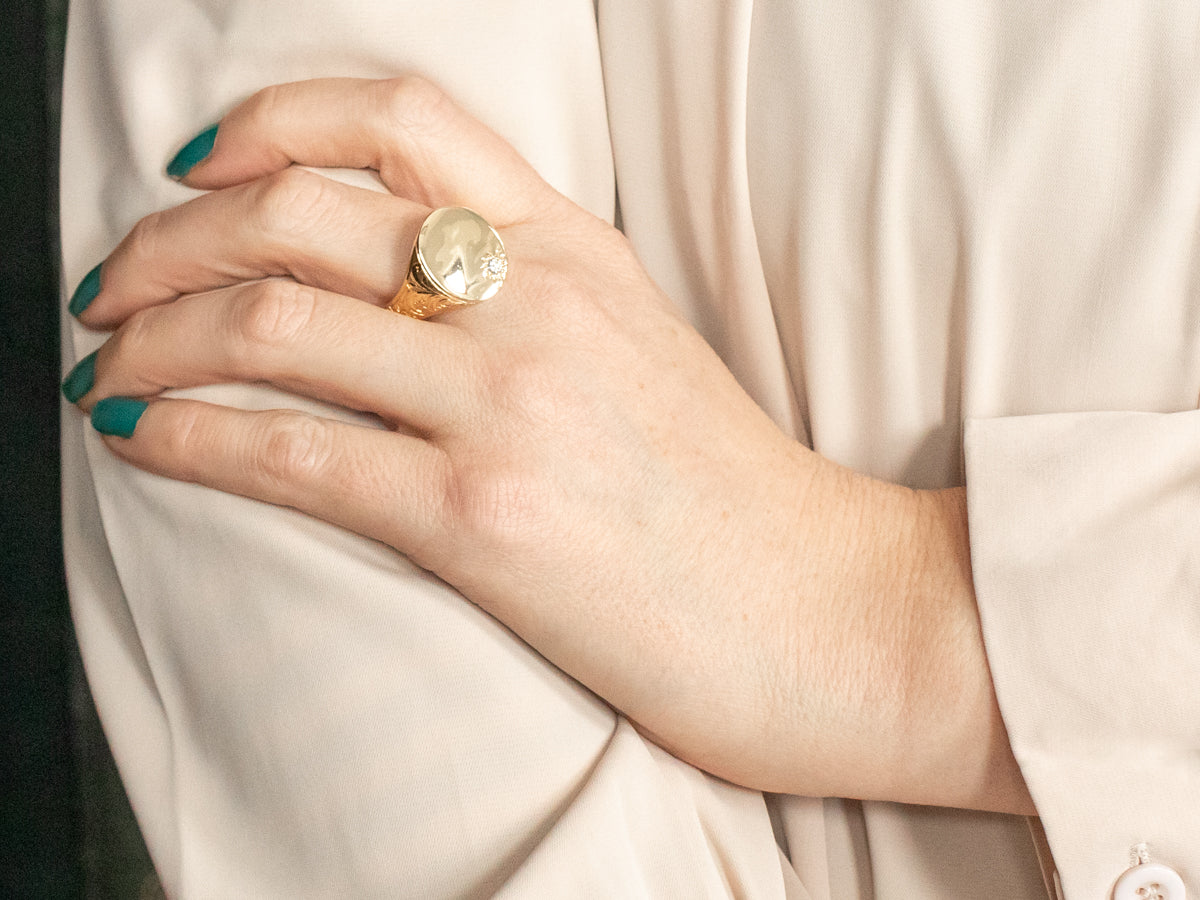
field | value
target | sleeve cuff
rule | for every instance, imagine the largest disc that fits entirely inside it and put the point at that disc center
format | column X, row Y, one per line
column 1086, row 558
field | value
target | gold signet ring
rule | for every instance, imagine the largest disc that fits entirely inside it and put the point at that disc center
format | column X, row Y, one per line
column 457, row 260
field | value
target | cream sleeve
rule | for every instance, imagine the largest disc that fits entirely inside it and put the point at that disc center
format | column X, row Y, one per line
column 1087, row 570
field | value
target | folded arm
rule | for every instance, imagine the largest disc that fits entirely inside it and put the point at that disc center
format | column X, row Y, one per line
column 570, row 455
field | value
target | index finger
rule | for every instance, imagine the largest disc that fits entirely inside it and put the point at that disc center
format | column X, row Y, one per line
column 424, row 146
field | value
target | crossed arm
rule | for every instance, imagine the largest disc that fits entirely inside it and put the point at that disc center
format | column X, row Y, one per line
column 570, row 455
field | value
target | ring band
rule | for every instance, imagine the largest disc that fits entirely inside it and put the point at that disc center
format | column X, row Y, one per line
column 457, row 260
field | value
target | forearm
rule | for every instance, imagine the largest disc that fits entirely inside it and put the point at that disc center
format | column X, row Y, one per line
column 850, row 651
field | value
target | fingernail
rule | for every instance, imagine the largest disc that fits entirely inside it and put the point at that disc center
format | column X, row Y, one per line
column 117, row 415
column 193, row 152
column 86, row 292
column 80, row 379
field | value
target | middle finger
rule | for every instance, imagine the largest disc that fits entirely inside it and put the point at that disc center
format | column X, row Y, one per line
column 326, row 234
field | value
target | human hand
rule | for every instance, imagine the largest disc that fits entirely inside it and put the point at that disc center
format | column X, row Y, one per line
column 570, row 455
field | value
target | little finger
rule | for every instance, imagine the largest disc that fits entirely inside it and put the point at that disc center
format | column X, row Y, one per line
column 380, row 484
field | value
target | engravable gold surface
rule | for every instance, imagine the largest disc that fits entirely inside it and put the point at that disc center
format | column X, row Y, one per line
column 457, row 260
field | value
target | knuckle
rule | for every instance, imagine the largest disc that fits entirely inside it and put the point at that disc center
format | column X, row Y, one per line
column 276, row 312
column 135, row 333
column 572, row 309
column 186, row 443
column 555, row 289
column 412, row 102
column 294, row 448
column 145, row 238
column 290, row 202
column 499, row 507
column 263, row 106
column 531, row 390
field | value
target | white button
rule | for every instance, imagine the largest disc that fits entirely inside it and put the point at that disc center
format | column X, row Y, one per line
column 1152, row 881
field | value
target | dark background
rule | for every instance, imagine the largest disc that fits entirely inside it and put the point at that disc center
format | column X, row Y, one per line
column 40, row 815
column 65, row 826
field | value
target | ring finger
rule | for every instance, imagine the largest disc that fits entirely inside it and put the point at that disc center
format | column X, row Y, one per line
column 302, row 339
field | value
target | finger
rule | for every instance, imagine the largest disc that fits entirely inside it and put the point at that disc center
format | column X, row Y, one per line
column 302, row 339
column 384, row 485
column 344, row 239
column 424, row 146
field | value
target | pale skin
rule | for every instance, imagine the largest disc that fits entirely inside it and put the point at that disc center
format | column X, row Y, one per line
column 570, row 455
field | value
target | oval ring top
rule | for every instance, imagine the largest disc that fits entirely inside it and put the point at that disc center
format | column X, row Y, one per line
column 461, row 254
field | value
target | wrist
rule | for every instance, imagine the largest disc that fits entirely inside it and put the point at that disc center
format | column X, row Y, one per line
column 951, row 732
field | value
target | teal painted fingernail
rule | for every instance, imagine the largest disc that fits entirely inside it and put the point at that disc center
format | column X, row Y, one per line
column 117, row 415
column 86, row 292
column 80, row 379
column 193, row 152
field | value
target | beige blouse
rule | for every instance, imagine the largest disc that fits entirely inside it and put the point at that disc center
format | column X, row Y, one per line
column 889, row 218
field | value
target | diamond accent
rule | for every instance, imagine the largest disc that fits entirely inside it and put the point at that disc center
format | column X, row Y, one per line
column 495, row 266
